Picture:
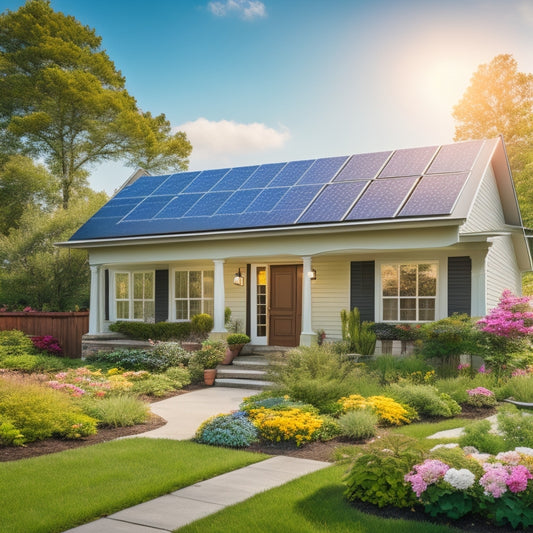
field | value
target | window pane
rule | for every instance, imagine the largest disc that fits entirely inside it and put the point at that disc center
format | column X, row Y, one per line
column 208, row 307
column 195, row 284
column 407, row 280
column 123, row 310
column 181, row 279
column 121, row 286
column 408, row 309
column 149, row 285
column 426, row 309
column 195, row 307
column 389, row 280
column 427, row 279
column 209, row 284
column 261, row 276
column 149, row 311
column 138, row 310
column 138, row 278
column 390, row 309
column 181, row 310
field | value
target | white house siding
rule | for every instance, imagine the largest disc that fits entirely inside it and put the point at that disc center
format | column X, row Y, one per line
column 235, row 295
column 486, row 213
column 501, row 270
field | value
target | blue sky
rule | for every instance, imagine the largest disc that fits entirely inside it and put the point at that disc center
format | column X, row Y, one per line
column 259, row 81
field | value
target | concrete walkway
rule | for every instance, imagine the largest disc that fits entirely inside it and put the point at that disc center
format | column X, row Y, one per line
column 184, row 414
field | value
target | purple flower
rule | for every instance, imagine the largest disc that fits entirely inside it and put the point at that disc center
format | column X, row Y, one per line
column 482, row 391
column 517, row 480
column 429, row 472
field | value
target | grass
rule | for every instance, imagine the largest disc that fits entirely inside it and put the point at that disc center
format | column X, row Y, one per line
column 310, row 504
column 425, row 429
column 56, row 492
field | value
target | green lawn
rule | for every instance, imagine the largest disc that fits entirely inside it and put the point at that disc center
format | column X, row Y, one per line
column 311, row 504
column 56, row 492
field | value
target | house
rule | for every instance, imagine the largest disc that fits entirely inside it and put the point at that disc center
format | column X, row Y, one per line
column 410, row 235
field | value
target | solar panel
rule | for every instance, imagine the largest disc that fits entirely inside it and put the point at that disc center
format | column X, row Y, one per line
column 148, row 208
column 408, row 162
column 117, row 207
column 457, row 157
column 434, row 195
column 333, row 202
column 322, row 170
column 297, row 197
column 142, row 187
column 382, row 198
column 291, row 173
column 239, row 201
column 363, row 166
column 175, row 183
column 262, row 176
column 208, row 204
column 267, row 199
column 177, row 207
column 234, row 178
column 206, row 180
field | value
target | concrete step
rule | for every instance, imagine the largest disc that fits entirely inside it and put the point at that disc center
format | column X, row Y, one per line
column 228, row 371
column 242, row 383
column 253, row 362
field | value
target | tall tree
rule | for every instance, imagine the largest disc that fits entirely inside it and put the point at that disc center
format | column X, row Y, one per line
column 62, row 98
column 499, row 100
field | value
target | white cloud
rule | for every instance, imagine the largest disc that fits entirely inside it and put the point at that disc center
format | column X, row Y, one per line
column 226, row 142
column 246, row 9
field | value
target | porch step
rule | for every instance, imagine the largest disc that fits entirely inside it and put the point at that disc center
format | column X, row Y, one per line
column 246, row 371
column 242, row 383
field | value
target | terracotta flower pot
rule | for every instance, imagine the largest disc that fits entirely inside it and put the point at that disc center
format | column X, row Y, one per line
column 232, row 352
column 209, row 376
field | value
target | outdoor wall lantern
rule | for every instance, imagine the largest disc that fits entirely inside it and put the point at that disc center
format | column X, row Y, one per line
column 312, row 274
column 238, row 279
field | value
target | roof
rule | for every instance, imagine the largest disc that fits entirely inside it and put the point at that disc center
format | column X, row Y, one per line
column 399, row 185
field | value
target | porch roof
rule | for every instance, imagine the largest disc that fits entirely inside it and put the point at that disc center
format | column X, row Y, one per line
column 404, row 185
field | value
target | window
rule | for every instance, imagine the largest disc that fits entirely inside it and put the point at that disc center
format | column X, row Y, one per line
column 193, row 293
column 134, row 296
column 409, row 292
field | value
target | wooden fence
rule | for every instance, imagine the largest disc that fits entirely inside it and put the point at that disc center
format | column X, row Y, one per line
column 67, row 328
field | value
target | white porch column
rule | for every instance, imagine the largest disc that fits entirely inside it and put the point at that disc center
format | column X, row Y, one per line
column 94, row 308
column 307, row 336
column 479, row 284
column 219, row 297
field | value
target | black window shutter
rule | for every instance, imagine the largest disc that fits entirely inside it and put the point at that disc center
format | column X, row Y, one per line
column 459, row 285
column 362, row 283
column 161, row 295
column 106, row 294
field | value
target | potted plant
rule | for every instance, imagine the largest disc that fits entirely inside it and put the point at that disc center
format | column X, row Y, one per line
column 235, row 342
column 209, row 357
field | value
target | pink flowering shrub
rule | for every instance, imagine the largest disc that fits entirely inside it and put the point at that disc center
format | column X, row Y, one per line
column 427, row 473
column 481, row 397
column 47, row 343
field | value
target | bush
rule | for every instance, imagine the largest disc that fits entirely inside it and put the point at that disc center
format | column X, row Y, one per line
column 210, row 355
column 516, row 426
column 172, row 352
column 457, row 387
column 425, row 399
column 391, row 368
column 329, row 429
column 237, row 338
column 155, row 361
column 359, row 335
column 33, row 363
column 478, row 436
column 48, row 344
column 14, row 342
column 377, row 474
column 179, row 376
column 155, row 385
column 161, row 331
column 233, row 431
column 387, row 410
column 359, row 424
column 520, row 388
column 202, row 325
column 9, row 434
column 117, row 411
column 481, row 397
column 385, row 331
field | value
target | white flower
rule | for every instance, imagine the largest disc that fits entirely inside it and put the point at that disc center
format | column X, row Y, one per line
column 460, row 479
column 510, row 458
column 480, row 457
column 523, row 450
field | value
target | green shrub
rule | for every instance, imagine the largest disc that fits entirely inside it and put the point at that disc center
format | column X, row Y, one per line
column 516, row 426
column 237, row 338
column 390, row 368
column 117, row 411
column 173, row 352
column 233, row 431
column 201, row 325
column 329, row 429
column 456, row 387
column 425, row 399
column 359, row 424
column 77, row 426
column 385, row 331
column 39, row 412
column 456, row 458
column 161, row 331
column 9, row 434
column 210, row 355
column 180, row 376
column 377, row 474
column 477, row 435
column 14, row 343
column 520, row 388
column 155, row 385
column 153, row 361
column 359, row 335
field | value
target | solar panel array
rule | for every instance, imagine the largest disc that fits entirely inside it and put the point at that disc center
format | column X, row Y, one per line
column 414, row 182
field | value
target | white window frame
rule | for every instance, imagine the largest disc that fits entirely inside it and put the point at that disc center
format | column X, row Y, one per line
column 381, row 298
column 203, row 299
column 131, row 299
column 255, row 339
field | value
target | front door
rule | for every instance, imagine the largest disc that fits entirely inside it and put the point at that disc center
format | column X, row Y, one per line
column 285, row 319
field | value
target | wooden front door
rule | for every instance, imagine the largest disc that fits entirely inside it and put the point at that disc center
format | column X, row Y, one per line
column 285, row 305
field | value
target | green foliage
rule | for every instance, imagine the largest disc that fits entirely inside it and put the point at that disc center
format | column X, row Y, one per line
column 376, row 475
column 520, row 388
column 329, row 429
column 359, row 335
column 14, row 342
column 173, row 352
column 516, row 426
column 390, row 368
column 154, row 385
column 385, row 331
column 39, row 413
column 425, row 399
column 160, row 331
column 9, row 434
column 477, row 435
column 180, row 376
column 456, row 458
column 151, row 360
column 456, row 387
column 210, row 355
column 359, row 424
column 202, row 324
column 237, row 338
column 117, row 411
column 233, row 431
